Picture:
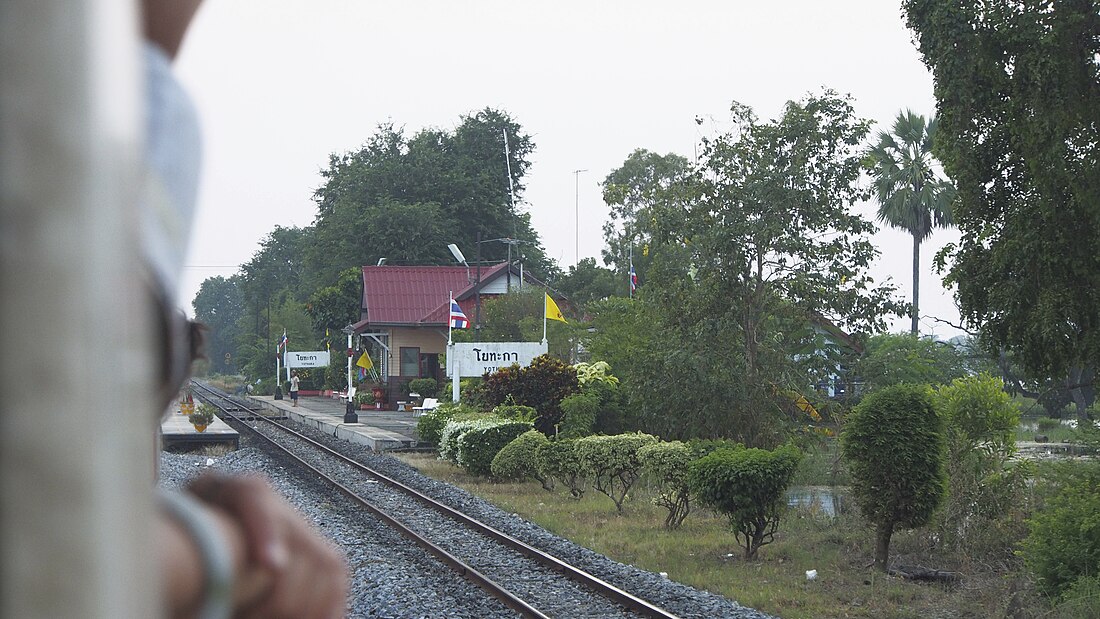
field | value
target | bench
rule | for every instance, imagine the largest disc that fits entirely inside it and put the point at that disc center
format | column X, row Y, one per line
column 429, row 404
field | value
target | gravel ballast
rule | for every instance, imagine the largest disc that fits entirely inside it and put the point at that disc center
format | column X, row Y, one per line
column 393, row 578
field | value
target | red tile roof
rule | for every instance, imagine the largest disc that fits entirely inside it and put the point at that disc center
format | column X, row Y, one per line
column 417, row 296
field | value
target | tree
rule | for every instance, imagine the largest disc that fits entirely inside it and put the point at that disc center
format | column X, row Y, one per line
column 219, row 306
column 1018, row 100
column 406, row 198
column 586, row 282
column 639, row 194
column 894, row 442
column 980, row 420
column 336, row 306
column 517, row 317
column 749, row 487
column 910, row 196
column 774, row 245
column 894, row 358
column 273, row 272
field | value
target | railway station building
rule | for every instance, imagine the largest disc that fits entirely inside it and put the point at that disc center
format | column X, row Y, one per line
column 405, row 313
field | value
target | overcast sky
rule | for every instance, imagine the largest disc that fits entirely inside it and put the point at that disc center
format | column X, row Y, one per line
column 282, row 84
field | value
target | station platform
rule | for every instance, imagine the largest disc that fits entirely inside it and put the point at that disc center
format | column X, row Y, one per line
column 378, row 429
column 176, row 431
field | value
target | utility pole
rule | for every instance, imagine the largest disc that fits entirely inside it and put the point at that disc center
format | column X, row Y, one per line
column 577, row 207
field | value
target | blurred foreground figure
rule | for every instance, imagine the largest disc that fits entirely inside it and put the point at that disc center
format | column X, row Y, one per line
column 228, row 546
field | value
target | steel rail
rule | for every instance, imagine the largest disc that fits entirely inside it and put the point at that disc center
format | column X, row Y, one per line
column 454, row 563
column 598, row 585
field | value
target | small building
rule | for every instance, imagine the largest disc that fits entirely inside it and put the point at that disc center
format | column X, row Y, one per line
column 406, row 310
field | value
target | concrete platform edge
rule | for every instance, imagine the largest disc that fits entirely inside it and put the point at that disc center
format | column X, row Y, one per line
column 376, row 439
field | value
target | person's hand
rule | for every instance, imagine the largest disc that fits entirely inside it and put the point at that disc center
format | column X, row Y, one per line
column 290, row 570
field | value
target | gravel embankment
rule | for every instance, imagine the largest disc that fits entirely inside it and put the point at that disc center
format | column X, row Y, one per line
column 392, row 578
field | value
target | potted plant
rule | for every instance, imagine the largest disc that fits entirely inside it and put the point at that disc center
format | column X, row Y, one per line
column 201, row 418
column 364, row 399
column 187, row 402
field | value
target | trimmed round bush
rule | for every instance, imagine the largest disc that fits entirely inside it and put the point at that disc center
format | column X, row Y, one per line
column 749, row 487
column 560, row 459
column 894, row 443
column 429, row 426
column 519, row 460
column 452, row 433
column 478, row 445
column 669, row 464
column 612, row 462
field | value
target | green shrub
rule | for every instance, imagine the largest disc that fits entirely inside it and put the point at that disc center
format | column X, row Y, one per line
column 703, row 447
column 1081, row 600
column 578, row 415
column 560, row 460
column 426, row 387
column 598, row 372
column 611, row 412
column 612, row 463
column 1046, row 424
column 978, row 412
column 893, row 442
column 749, row 487
column 452, row 432
column 980, row 421
column 669, row 464
column 479, row 444
column 1064, row 542
column 541, row 385
column 429, row 426
column 516, row 412
column 519, row 460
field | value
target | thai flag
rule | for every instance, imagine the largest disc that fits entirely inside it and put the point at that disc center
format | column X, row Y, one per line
column 633, row 279
column 282, row 342
column 458, row 319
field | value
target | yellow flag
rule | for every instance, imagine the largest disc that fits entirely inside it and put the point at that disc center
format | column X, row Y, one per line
column 365, row 362
column 552, row 311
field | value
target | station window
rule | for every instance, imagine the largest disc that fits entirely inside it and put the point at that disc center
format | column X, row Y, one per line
column 410, row 361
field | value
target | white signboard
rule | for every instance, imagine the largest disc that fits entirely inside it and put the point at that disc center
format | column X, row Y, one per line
column 477, row 358
column 307, row 359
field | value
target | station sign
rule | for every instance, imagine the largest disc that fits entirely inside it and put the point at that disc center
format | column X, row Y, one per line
column 477, row 358
column 307, row 359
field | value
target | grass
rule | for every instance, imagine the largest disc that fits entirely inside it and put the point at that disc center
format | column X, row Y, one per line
column 705, row 555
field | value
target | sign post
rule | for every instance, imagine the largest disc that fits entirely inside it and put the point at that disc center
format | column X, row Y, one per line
column 466, row 359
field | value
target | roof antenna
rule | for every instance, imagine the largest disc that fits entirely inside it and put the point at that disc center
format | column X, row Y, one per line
column 511, row 192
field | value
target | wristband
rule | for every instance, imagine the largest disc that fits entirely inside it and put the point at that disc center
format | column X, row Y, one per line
column 217, row 563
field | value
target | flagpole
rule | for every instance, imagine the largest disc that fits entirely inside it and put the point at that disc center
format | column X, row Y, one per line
column 544, row 312
column 455, row 387
column 630, row 275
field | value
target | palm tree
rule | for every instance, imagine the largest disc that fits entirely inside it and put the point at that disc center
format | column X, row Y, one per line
column 910, row 194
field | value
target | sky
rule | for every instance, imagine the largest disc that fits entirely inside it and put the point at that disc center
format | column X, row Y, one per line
column 280, row 85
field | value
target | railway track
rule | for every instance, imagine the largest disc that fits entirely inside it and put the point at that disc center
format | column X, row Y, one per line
column 530, row 581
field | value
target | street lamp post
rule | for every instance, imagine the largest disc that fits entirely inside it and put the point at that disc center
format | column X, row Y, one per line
column 457, row 253
column 350, row 416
